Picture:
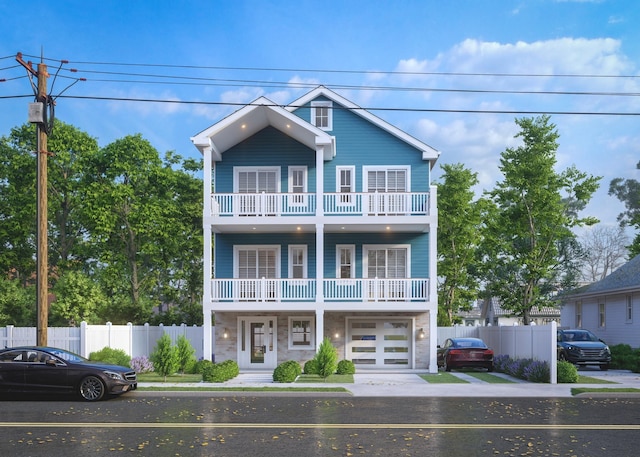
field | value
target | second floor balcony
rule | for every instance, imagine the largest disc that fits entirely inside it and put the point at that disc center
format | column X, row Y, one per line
column 334, row 290
column 334, row 204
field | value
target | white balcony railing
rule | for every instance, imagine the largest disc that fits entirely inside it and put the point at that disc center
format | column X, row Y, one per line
column 377, row 204
column 283, row 289
column 335, row 204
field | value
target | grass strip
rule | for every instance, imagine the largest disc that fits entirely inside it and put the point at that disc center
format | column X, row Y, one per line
column 174, row 378
column 240, row 389
column 334, row 378
column 442, row 378
column 590, row 380
column 586, row 390
column 489, row 378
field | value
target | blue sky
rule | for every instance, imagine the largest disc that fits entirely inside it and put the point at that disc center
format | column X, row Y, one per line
column 350, row 46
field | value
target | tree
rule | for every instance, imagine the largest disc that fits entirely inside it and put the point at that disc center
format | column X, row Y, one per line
column 459, row 220
column 604, row 250
column 185, row 353
column 628, row 192
column 326, row 359
column 529, row 248
column 165, row 357
column 77, row 298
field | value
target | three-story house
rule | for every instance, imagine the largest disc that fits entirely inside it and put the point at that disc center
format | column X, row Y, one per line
column 319, row 221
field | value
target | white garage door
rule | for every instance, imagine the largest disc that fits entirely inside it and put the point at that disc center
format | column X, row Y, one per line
column 379, row 343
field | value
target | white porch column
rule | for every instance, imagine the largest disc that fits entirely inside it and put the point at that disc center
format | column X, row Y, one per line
column 319, row 327
column 319, row 180
column 433, row 281
column 207, row 344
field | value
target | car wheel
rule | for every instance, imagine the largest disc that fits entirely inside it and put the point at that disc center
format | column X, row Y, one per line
column 91, row 388
column 604, row 367
column 446, row 366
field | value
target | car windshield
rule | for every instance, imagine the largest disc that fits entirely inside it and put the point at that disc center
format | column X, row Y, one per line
column 580, row 335
column 469, row 343
column 66, row 355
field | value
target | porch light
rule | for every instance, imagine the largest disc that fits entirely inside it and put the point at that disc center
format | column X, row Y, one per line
column 421, row 334
column 225, row 334
column 336, row 335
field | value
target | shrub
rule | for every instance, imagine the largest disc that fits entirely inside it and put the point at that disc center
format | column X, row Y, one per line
column 205, row 367
column 186, row 358
column 624, row 357
column 346, row 367
column 111, row 356
column 165, row 357
column 310, row 367
column 220, row 372
column 567, row 372
column 326, row 359
column 500, row 362
column 537, row 371
column 141, row 364
column 287, row 371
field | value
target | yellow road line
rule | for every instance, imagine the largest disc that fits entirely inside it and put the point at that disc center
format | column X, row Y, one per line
column 317, row 426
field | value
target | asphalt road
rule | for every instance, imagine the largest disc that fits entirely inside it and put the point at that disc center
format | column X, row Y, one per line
column 198, row 424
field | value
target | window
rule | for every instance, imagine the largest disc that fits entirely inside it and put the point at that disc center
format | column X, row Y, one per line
column 601, row 315
column 387, row 189
column 345, row 256
column 629, row 310
column 297, row 261
column 345, row 184
column 258, row 187
column 322, row 115
column 579, row 314
column 251, row 264
column 386, row 262
column 301, row 333
column 298, row 184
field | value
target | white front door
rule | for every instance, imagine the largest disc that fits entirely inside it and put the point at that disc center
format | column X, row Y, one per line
column 257, row 343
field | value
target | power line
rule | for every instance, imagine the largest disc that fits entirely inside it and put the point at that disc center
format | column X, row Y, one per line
column 417, row 110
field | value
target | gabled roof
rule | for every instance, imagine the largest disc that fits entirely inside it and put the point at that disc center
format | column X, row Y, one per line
column 254, row 117
column 494, row 304
column 624, row 279
column 428, row 152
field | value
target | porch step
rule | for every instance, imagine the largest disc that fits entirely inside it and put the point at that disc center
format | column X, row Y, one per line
column 262, row 377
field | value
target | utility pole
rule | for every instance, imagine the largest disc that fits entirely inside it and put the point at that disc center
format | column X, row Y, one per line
column 42, row 270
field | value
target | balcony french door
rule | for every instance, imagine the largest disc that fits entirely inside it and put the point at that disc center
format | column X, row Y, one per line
column 387, row 190
column 387, row 263
column 256, row 263
column 258, row 189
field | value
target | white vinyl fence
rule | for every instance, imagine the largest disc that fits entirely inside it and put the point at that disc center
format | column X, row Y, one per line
column 135, row 340
column 537, row 342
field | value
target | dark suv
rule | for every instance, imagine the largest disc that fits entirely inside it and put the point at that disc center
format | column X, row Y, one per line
column 581, row 347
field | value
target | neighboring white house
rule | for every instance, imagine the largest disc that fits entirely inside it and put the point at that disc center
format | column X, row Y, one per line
column 319, row 222
column 610, row 308
column 492, row 313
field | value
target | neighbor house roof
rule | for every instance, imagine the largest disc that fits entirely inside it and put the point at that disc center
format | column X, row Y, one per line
column 624, row 279
column 499, row 311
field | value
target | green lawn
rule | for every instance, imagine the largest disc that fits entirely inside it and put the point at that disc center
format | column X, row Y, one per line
column 442, row 378
column 608, row 390
column 154, row 377
column 488, row 377
column 334, row 378
column 589, row 380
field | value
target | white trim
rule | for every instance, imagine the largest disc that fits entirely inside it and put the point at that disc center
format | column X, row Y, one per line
column 352, row 248
column 314, row 114
column 428, row 152
column 365, row 256
column 312, row 333
column 305, row 259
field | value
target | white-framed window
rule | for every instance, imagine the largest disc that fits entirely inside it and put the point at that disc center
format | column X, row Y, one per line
column 345, row 183
column 322, row 115
column 297, row 184
column 302, row 332
column 386, row 261
column 345, row 261
column 579, row 314
column 601, row 315
column 256, row 262
column 387, row 179
column 629, row 309
column 297, row 261
column 254, row 180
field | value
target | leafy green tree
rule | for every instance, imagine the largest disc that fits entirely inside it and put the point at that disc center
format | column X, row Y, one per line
column 459, row 221
column 165, row 357
column 529, row 248
column 326, row 359
column 17, row 303
column 77, row 298
column 628, row 192
column 186, row 353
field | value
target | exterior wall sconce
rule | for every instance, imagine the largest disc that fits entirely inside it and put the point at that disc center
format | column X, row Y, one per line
column 225, row 334
column 336, row 335
column 421, row 334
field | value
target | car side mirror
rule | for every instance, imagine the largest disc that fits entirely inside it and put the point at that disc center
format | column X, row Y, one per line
column 438, row 346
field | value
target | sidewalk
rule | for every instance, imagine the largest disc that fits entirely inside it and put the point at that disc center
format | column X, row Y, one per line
column 412, row 385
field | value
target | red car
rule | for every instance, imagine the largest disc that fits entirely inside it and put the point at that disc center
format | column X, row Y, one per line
column 465, row 352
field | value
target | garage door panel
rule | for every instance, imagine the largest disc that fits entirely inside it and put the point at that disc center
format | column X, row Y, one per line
column 381, row 343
